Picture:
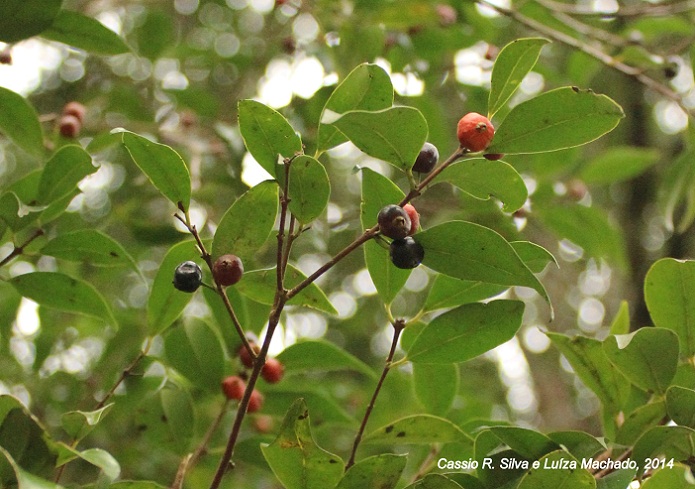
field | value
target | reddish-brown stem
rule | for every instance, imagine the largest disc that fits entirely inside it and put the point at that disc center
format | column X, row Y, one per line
column 398, row 326
column 18, row 250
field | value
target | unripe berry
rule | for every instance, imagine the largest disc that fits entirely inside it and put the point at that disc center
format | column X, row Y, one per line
column 272, row 371
column 255, row 401
column 475, row 132
column 427, row 159
column 394, row 221
column 227, row 270
column 414, row 218
column 69, row 126
column 188, row 276
column 245, row 355
column 233, row 387
column 75, row 109
column 406, row 253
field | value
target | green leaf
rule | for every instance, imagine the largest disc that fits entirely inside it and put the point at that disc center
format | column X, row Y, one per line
column 18, row 119
column 678, row 477
column 466, row 332
column 378, row 192
column 168, row 417
column 163, row 166
column 309, row 189
column 639, row 421
column 484, row 179
column 561, row 118
column 394, row 135
column 324, row 409
column 434, row 481
column 618, row 164
column 620, row 479
column 419, row 429
column 680, row 405
column 534, row 256
column 472, row 252
column 437, row 397
column 95, row 456
column 134, row 485
column 86, row 33
column 267, row 134
column 59, row 291
column 79, row 424
column 66, row 168
column 196, row 352
column 379, row 471
column 22, row 478
column 247, row 223
column 621, row 321
column 89, row 246
column 552, row 478
column 21, row 19
column 513, row 63
column 295, row 458
column 579, row 444
column 676, row 197
column 166, row 303
column 449, row 292
column 314, row 355
column 676, row 442
column 527, row 443
column 648, row 357
column 668, row 291
column 260, row 286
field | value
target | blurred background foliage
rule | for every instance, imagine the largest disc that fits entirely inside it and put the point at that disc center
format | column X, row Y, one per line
column 607, row 210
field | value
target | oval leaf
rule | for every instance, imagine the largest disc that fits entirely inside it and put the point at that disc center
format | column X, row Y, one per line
column 438, row 396
column 78, row 424
column 163, row 166
column 195, row 351
column 558, row 119
column 420, row 429
column 314, row 355
column 435, row 481
column 449, row 292
column 63, row 172
column 309, row 189
column 676, row 442
column 527, row 443
column 676, row 477
column 59, row 291
column 86, row 33
column 466, row 332
column 553, row 474
column 18, row 119
column 534, row 256
column 22, row 19
column 639, row 421
column 680, row 405
column 380, row 471
column 618, row 164
column 394, row 135
column 89, row 246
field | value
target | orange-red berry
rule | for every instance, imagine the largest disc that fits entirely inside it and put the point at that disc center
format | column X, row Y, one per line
column 414, row 218
column 233, row 387
column 69, row 126
column 255, row 401
column 475, row 132
column 245, row 355
column 227, row 270
column 273, row 370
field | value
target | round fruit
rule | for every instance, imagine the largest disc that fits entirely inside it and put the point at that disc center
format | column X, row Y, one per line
column 493, row 156
column 394, row 222
column 227, row 270
column 263, row 423
column 255, row 402
column 69, row 126
column 414, row 218
column 6, row 57
column 245, row 355
column 427, row 159
column 188, row 276
column 406, row 253
column 76, row 109
column 576, row 189
column 233, row 387
column 475, row 132
column 273, row 370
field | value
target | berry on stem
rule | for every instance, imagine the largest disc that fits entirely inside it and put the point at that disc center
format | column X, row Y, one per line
column 427, row 159
column 255, row 401
column 414, row 218
column 245, row 355
column 406, row 253
column 272, row 371
column 475, row 132
column 188, row 276
column 493, row 156
column 75, row 109
column 69, row 126
column 233, row 387
column 227, row 270
column 394, row 221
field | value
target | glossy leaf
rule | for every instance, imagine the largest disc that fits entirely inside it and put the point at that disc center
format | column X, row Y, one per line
column 676, row 442
column 434, row 481
column 378, row 192
column 527, row 443
column 678, row 477
column 513, row 63
column 449, row 292
column 542, row 478
column 367, row 87
column 680, row 404
column 78, row 424
column 437, row 397
column 66, row 168
column 668, row 291
column 472, row 252
column 639, row 421
column 22, row 19
column 419, row 429
column 89, row 246
column 18, row 119
column 534, row 256
column 394, row 135
column 561, row 118
column 59, row 291
column 379, row 471
column 314, row 355
column 466, row 332
column 247, row 223
column 267, row 134
column 484, row 179
column 260, row 286
column 309, row 189
column 649, row 360
column 84, row 32
column 196, row 352
column 618, row 164
column 295, row 458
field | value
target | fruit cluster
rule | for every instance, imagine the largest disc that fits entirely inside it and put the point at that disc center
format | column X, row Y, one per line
column 399, row 224
column 227, row 270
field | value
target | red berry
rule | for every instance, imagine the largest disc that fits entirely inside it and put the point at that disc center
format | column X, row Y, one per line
column 493, row 156
column 475, row 132
column 6, row 57
column 414, row 218
column 245, row 355
column 273, row 370
column 263, row 423
column 255, row 402
column 227, row 270
column 76, row 109
column 69, row 126
column 233, row 387
column 393, row 221
column 447, row 14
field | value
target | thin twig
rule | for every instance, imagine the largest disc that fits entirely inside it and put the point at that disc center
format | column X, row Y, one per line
column 637, row 10
column 18, row 250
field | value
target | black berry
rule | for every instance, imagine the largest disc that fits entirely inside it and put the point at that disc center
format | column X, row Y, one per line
column 394, row 222
column 188, row 277
column 427, row 159
column 406, row 253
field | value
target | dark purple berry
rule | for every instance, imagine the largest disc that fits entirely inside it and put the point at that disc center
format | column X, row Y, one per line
column 406, row 253
column 427, row 159
column 188, row 276
column 394, row 221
